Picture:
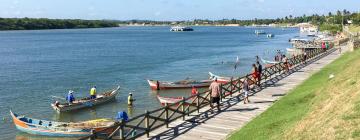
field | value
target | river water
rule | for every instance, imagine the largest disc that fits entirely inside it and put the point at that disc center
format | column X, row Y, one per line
column 36, row 65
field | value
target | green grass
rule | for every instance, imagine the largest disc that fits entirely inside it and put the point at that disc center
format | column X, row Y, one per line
column 332, row 28
column 285, row 113
column 354, row 29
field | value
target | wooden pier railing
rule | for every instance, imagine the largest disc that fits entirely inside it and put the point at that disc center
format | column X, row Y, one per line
column 145, row 123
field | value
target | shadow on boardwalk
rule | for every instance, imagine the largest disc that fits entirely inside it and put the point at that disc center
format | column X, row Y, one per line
column 193, row 121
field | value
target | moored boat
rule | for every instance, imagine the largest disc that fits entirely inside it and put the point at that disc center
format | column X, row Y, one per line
column 181, row 29
column 170, row 100
column 220, row 79
column 270, row 35
column 59, row 129
column 268, row 61
column 159, row 85
column 86, row 102
column 259, row 32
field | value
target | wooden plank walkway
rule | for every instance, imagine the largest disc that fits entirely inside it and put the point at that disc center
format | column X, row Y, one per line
column 235, row 114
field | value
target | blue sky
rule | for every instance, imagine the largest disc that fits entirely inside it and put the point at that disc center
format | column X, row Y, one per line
column 170, row 9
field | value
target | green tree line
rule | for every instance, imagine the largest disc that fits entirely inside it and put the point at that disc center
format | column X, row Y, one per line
column 44, row 23
column 331, row 21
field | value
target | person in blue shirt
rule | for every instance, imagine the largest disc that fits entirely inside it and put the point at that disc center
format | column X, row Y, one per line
column 70, row 97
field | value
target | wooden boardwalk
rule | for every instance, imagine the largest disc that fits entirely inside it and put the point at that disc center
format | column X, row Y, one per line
column 235, row 114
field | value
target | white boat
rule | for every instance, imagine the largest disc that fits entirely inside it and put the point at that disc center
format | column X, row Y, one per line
column 269, row 62
column 270, row 35
column 181, row 29
column 259, row 32
column 220, row 79
column 290, row 50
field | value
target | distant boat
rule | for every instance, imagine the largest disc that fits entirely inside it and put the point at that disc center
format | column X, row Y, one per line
column 157, row 85
column 59, row 129
column 270, row 35
column 87, row 102
column 181, row 29
column 259, row 32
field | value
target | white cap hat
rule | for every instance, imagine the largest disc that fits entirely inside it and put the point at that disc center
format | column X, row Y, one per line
column 70, row 91
column 130, row 93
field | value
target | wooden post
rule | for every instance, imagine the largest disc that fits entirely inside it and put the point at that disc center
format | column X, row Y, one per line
column 183, row 108
column 198, row 103
column 231, row 86
column 221, row 93
column 147, row 123
column 121, row 130
column 166, row 115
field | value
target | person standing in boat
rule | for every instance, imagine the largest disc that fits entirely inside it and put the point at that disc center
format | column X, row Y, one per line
column 70, row 97
column 130, row 100
column 215, row 94
column 93, row 92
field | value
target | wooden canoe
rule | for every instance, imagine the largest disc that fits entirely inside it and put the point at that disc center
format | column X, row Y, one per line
column 59, row 129
column 171, row 100
column 220, row 79
column 160, row 85
column 87, row 102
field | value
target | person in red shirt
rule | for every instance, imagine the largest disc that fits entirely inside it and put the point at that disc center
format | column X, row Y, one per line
column 194, row 91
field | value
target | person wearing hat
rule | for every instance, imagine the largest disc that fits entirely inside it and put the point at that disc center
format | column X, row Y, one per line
column 130, row 100
column 70, row 97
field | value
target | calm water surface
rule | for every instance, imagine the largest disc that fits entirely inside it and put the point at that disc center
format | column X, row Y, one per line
column 35, row 65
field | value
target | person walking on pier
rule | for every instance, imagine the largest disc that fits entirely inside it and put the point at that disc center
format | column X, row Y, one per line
column 245, row 88
column 304, row 57
column 255, row 74
column 285, row 62
column 215, row 94
column 259, row 68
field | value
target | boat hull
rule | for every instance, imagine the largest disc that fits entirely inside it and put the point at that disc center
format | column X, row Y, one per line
column 45, row 129
column 171, row 100
column 88, row 103
column 220, row 79
column 170, row 85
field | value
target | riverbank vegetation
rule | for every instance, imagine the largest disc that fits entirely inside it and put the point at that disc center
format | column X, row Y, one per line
column 332, row 22
column 44, row 23
column 320, row 108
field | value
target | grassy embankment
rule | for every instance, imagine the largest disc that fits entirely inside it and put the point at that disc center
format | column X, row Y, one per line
column 354, row 29
column 320, row 108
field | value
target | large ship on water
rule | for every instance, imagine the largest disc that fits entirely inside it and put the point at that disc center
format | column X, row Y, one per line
column 181, row 29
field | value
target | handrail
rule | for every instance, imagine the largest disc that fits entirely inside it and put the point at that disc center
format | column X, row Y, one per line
column 151, row 120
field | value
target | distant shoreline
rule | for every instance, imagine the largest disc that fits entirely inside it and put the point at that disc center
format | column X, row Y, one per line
column 147, row 26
